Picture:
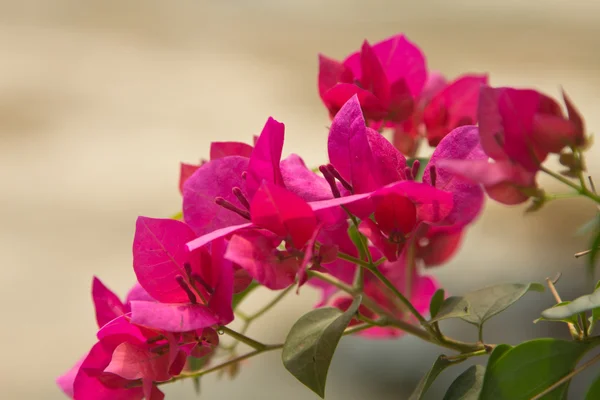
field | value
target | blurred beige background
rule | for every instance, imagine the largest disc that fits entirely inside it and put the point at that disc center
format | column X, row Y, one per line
column 101, row 99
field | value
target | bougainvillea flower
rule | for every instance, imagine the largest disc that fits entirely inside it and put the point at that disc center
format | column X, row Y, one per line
column 192, row 290
column 283, row 213
column 125, row 365
column 439, row 242
column 215, row 179
column 385, row 77
column 523, row 126
column 518, row 129
column 265, row 158
column 219, row 193
column 407, row 135
column 440, row 108
column 395, row 218
column 454, row 106
column 363, row 158
column 461, row 144
column 257, row 253
column 217, row 150
column 107, row 304
column 276, row 215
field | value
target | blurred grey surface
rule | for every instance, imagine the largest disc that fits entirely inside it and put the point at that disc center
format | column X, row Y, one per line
column 101, row 99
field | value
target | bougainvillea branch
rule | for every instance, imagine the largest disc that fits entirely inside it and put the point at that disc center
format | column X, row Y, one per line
column 365, row 229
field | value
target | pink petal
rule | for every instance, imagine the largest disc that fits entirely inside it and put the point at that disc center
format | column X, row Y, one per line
column 461, row 144
column 553, row 133
column 282, row 212
column 501, row 179
column 456, row 104
column 434, row 84
column 303, row 182
column 401, row 104
column 214, row 179
column 185, row 171
column 123, row 328
column 156, row 394
column 387, row 163
column 440, row 244
column 87, row 384
column 159, row 254
column 348, row 147
column 331, row 72
column 402, row 59
column 257, row 255
column 406, row 137
column 395, row 214
column 490, row 123
column 265, row 158
column 136, row 362
column 107, row 304
column 339, row 95
column 433, row 205
column 221, row 299
column 65, row 381
column 172, row 317
column 518, row 108
column 214, row 235
column 137, row 292
column 373, row 76
column 225, row 149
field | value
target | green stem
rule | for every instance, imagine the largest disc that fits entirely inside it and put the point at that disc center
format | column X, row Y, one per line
column 353, row 260
column 225, row 364
column 248, row 319
column 580, row 189
column 251, row 354
column 464, row 356
column 369, row 303
column 402, row 298
column 359, row 280
column 270, row 304
column 584, row 325
column 396, row 323
column 240, row 337
column 557, row 196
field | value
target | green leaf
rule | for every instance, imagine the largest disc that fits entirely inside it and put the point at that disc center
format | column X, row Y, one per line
column 570, row 320
column 452, row 307
column 468, row 385
column 593, row 392
column 492, row 300
column 311, row 343
column 238, row 297
column 573, row 308
column 480, row 305
column 438, row 366
column 436, row 302
column 528, row 369
column 498, row 352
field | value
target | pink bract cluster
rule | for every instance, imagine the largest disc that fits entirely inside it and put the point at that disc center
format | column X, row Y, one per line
column 251, row 216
